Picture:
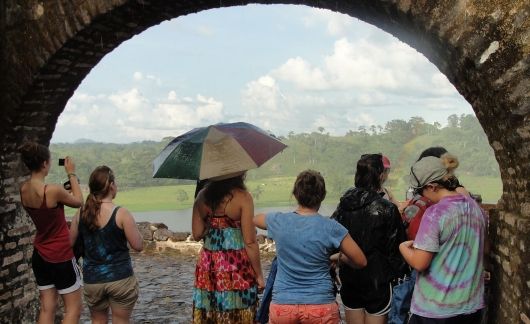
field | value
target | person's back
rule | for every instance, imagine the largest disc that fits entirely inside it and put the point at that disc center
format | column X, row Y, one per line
column 374, row 223
column 106, row 232
column 52, row 261
column 106, row 255
column 454, row 228
column 52, row 237
column 303, row 252
column 228, row 270
column 305, row 241
column 448, row 249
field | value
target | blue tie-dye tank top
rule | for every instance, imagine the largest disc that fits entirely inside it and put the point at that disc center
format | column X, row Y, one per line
column 106, row 256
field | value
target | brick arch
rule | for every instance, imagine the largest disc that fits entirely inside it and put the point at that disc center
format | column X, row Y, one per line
column 483, row 47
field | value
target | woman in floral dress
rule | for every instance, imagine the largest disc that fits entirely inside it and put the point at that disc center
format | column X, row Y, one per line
column 228, row 273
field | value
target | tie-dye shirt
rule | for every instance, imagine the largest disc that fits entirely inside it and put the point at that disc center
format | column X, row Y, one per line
column 454, row 229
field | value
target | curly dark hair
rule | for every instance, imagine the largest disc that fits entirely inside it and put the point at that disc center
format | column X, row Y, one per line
column 34, row 155
column 216, row 191
column 309, row 189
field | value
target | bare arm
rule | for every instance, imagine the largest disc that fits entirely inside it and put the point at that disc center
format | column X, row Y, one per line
column 249, row 235
column 198, row 223
column 132, row 233
column 74, row 227
column 259, row 221
column 74, row 199
column 352, row 253
column 416, row 258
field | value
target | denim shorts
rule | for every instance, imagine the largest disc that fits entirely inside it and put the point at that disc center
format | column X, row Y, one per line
column 401, row 299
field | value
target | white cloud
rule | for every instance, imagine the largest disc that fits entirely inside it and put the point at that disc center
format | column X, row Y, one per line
column 265, row 105
column 364, row 66
column 172, row 95
column 131, row 116
column 300, row 73
column 361, row 119
column 337, row 24
column 138, row 76
column 154, row 79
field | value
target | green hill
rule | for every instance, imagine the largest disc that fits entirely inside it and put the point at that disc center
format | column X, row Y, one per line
column 334, row 156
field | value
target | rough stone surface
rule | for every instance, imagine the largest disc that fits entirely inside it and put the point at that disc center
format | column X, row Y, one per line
column 482, row 46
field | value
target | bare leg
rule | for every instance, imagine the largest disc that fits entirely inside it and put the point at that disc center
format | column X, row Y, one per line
column 48, row 305
column 72, row 307
column 120, row 315
column 99, row 317
column 373, row 319
column 356, row 316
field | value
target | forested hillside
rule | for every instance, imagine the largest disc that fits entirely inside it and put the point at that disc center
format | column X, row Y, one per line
column 334, row 156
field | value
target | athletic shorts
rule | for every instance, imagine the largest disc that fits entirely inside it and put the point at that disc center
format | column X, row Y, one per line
column 376, row 302
column 63, row 276
column 120, row 294
column 309, row 314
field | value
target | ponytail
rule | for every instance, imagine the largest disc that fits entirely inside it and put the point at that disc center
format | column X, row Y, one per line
column 99, row 185
column 90, row 211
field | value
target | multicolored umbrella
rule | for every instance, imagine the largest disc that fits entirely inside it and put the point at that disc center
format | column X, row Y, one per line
column 215, row 151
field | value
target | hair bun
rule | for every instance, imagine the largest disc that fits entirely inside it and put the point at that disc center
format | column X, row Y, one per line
column 450, row 161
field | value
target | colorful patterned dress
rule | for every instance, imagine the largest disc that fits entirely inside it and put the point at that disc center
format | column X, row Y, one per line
column 225, row 289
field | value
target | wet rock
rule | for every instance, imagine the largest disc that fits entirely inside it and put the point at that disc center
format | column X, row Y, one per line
column 162, row 234
column 261, row 238
column 146, row 233
column 179, row 236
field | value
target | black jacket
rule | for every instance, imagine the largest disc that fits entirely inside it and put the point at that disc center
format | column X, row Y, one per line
column 375, row 225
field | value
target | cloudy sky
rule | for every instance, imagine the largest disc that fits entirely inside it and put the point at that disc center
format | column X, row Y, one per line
column 283, row 68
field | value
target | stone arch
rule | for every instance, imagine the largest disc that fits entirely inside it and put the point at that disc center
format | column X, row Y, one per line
column 482, row 47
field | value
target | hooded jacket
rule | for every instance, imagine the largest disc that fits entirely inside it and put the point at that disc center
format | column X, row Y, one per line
column 375, row 225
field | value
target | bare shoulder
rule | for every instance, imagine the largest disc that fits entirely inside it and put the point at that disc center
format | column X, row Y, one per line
column 123, row 214
column 242, row 195
column 53, row 190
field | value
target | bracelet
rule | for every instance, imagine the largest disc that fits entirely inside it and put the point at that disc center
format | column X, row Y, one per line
column 75, row 175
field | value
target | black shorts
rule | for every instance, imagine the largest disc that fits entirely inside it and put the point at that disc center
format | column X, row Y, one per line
column 372, row 301
column 473, row 318
column 63, row 276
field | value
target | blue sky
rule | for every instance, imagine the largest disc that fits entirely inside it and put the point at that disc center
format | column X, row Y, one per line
column 283, row 68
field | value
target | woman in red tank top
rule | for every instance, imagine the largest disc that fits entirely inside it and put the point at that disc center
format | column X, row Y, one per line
column 53, row 262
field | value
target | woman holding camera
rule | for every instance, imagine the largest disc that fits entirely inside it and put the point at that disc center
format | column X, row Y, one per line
column 53, row 261
column 105, row 229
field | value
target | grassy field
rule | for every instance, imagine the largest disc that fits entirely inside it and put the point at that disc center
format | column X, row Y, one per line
column 267, row 193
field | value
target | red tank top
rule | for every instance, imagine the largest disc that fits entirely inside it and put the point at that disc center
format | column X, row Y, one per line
column 52, row 240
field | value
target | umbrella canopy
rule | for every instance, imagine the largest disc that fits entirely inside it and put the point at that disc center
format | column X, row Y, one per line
column 215, row 151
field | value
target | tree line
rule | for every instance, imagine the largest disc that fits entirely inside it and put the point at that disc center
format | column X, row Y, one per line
column 334, row 156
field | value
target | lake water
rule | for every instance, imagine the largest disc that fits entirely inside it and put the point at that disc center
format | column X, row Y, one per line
column 180, row 220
